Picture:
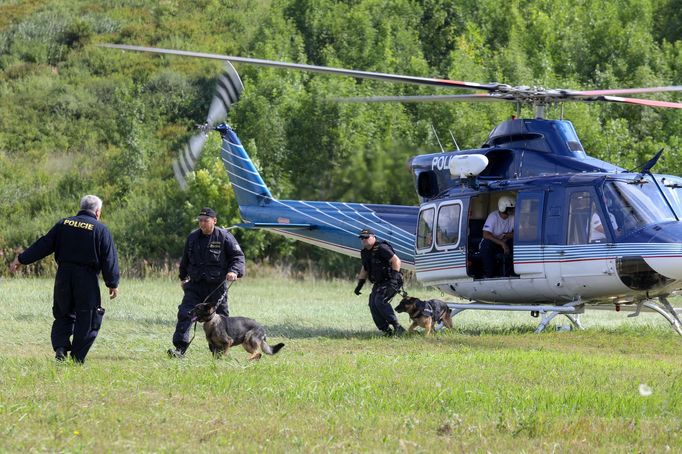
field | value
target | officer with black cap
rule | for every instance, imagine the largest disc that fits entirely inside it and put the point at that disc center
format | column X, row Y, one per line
column 211, row 257
column 82, row 247
column 382, row 266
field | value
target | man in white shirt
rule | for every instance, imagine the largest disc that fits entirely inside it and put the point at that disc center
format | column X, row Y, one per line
column 597, row 234
column 498, row 233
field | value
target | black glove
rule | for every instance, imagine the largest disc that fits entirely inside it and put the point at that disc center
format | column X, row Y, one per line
column 361, row 282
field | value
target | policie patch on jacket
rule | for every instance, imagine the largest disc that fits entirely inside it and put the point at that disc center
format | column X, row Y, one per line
column 79, row 224
column 215, row 245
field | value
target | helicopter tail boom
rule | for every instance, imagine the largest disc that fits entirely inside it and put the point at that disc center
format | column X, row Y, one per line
column 329, row 225
column 249, row 187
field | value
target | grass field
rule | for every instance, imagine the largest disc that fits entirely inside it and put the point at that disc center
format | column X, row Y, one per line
column 489, row 385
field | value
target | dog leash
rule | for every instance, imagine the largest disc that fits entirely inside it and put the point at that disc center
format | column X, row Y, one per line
column 229, row 284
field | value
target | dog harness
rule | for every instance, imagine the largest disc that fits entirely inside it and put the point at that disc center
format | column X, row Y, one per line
column 432, row 308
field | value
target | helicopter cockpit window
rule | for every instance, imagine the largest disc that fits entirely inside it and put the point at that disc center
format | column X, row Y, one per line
column 580, row 211
column 635, row 205
column 447, row 227
column 672, row 186
column 425, row 229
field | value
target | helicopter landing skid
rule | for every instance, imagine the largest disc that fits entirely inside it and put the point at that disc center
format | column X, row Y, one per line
column 664, row 308
column 571, row 310
column 573, row 316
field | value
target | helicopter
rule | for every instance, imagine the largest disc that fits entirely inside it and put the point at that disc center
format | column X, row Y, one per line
column 587, row 234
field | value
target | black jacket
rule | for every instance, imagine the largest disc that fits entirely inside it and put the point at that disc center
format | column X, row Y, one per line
column 80, row 240
column 376, row 261
column 210, row 257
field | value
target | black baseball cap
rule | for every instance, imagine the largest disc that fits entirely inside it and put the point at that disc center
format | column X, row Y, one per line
column 210, row 212
column 365, row 233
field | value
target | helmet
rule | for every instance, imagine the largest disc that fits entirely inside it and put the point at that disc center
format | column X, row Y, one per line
column 504, row 203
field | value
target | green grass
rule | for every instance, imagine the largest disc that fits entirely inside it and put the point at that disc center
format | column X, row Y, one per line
column 489, row 385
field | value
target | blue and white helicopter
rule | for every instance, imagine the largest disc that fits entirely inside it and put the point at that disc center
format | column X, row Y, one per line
column 561, row 264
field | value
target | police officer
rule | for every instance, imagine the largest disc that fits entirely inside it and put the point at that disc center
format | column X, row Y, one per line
column 212, row 257
column 82, row 248
column 382, row 267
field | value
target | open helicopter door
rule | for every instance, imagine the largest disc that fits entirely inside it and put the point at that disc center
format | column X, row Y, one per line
column 528, row 247
column 440, row 254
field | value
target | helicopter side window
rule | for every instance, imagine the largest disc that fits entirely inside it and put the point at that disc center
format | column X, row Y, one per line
column 447, row 227
column 425, row 229
column 579, row 217
column 528, row 231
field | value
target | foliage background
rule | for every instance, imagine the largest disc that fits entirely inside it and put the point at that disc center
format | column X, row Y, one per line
column 77, row 119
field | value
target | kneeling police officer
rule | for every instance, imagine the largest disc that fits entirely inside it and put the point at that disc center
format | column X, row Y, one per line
column 82, row 247
column 382, row 266
column 211, row 257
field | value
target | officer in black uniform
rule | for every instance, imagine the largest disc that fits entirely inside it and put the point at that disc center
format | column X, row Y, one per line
column 82, row 248
column 212, row 257
column 382, row 267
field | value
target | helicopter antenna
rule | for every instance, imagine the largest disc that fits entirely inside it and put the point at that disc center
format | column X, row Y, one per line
column 647, row 166
column 442, row 150
column 652, row 162
column 453, row 139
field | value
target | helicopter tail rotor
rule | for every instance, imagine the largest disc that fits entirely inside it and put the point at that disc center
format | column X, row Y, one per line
column 228, row 90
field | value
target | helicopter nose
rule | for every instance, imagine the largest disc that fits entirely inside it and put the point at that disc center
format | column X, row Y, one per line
column 656, row 248
column 670, row 267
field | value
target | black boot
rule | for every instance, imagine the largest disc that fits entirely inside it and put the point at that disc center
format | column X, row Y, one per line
column 176, row 352
column 60, row 354
column 399, row 330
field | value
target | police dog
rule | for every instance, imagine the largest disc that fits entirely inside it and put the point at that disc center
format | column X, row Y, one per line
column 224, row 332
column 426, row 314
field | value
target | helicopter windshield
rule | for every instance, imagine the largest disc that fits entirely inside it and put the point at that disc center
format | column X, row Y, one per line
column 635, row 205
column 672, row 186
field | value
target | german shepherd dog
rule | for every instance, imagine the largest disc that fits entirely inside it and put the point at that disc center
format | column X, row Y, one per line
column 426, row 314
column 224, row 332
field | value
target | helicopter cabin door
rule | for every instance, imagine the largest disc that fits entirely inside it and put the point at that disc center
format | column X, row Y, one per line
column 439, row 252
column 528, row 248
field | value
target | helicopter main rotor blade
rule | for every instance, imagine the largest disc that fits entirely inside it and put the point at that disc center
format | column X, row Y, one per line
column 509, row 98
column 627, row 91
column 483, row 97
column 641, row 102
column 398, row 78
column 536, row 96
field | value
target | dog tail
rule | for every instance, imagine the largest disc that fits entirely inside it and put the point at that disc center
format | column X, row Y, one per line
column 271, row 350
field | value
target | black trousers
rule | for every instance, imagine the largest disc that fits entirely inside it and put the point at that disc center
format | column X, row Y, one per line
column 76, row 299
column 380, row 306
column 196, row 293
column 490, row 252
